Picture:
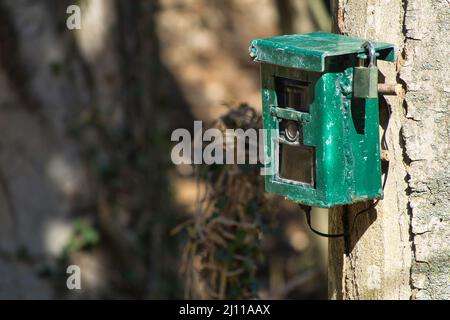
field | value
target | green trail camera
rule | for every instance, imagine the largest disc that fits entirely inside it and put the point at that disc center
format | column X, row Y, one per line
column 320, row 107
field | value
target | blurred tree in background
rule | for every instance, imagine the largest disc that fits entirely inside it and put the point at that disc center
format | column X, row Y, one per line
column 85, row 120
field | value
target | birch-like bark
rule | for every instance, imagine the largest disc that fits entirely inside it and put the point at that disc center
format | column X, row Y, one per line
column 400, row 249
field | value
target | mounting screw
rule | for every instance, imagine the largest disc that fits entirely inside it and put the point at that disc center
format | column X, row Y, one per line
column 392, row 89
column 252, row 52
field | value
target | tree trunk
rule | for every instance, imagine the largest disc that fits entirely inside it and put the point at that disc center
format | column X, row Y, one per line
column 400, row 249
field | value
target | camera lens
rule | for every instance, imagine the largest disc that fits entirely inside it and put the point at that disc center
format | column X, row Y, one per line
column 291, row 131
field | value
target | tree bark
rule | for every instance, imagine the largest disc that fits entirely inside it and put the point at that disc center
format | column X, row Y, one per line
column 400, row 249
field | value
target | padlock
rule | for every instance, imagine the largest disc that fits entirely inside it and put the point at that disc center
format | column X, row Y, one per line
column 365, row 79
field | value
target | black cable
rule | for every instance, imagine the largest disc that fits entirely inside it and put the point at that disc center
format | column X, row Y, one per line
column 307, row 210
column 371, row 206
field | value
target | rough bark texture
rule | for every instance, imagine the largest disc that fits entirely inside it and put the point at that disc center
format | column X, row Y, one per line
column 400, row 249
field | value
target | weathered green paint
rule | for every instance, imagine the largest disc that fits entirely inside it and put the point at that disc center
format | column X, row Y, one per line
column 312, row 51
column 342, row 129
column 290, row 114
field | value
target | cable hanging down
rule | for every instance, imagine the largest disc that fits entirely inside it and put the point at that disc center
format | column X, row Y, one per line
column 307, row 210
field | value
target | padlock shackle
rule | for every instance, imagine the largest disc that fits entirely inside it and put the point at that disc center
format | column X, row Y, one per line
column 371, row 53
